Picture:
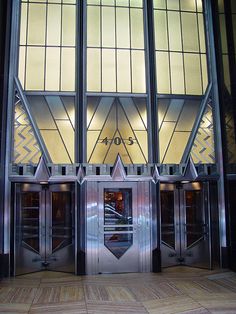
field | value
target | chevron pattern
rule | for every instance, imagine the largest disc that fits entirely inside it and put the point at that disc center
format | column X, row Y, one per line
column 26, row 148
column 203, row 150
column 230, row 133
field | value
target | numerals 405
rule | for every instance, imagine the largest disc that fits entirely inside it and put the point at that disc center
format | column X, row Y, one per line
column 117, row 141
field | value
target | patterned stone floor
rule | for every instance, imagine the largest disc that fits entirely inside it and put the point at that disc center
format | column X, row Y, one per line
column 175, row 290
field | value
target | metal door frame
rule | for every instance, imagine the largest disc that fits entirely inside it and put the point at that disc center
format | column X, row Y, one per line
column 45, row 218
column 179, row 191
column 93, row 207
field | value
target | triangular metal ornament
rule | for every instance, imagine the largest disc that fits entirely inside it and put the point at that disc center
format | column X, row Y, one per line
column 42, row 173
column 156, row 175
column 118, row 173
column 190, row 173
column 80, row 175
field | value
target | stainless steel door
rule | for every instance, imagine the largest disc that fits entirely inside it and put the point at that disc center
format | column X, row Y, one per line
column 185, row 225
column 118, row 228
column 44, row 228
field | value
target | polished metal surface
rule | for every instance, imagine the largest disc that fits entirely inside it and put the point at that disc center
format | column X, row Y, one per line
column 185, row 229
column 135, row 257
column 44, row 228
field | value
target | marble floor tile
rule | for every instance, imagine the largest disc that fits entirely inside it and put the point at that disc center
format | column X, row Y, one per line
column 115, row 307
column 59, row 294
column 17, row 295
column 172, row 305
column 7, row 308
column 60, row 308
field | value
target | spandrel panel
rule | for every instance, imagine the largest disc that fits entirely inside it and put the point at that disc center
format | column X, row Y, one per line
column 188, row 5
column 108, row 70
column 163, row 72
column 41, row 113
column 94, row 70
column 35, row 64
column 161, row 39
column 36, row 24
column 108, row 27
column 174, row 110
column 56, row 107
column 68, row 69
column 93, row 26
column 233, row 6
column 138, row 72
column 68, row 25
column 163, row 105
column 99, row 113
column 55, row 146
column 174, row 26
column 188, row 116
column 165, row 135
column 117, row 127
column 52, row 74
column 69, row 1
column 123, row 71
column 137, row 36
column 177, row 74
column 67, row 134
column 53, row 25
column 69, row 104
column 23, row 24
column 122, row 28
column 192, row 74
column 176, row 149
column 133, row 115
column 190, row 32
column 21, row 67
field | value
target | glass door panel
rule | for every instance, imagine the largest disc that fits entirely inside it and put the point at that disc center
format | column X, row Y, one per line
column 30, row 220
column 118, row 238
column 184, row 227
column 118, row 250
column 44, row 236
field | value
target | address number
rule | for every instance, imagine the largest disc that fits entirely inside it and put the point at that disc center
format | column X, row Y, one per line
column 117, row 141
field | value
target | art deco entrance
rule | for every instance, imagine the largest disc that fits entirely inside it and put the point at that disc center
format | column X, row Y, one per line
column 118, row 227
column 185, row 225
column 44, row 228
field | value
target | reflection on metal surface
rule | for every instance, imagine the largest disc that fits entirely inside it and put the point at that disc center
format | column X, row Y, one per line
column 118, row 244
column 184, row 225
column 61, row 220
column 44, row 230
column 118, row 227
column 167, row 218
column 118, row 211
column 30, row 220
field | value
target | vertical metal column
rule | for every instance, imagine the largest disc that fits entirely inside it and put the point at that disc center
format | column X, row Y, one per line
column 155, row 188
column 218, row 132
column 152, row 77
column 79, row 100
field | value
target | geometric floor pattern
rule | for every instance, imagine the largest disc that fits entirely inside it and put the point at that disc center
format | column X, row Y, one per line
column 175, row 290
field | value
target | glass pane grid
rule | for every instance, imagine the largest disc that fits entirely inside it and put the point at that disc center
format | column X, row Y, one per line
column 180, row 47
column 47, row 45
column 115, row 47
